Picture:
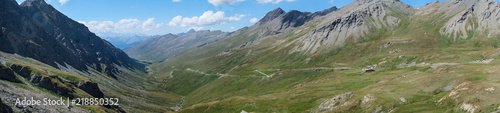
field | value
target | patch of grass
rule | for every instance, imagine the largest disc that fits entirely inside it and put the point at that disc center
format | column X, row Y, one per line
column 44, row 70
column 424, row 103
column 477, row 78
column 184, row 82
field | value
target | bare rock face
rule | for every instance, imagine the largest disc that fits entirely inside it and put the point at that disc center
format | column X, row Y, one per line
column 4, row 108
column 8, row 74
column 91, row 88
column 352, row 21
column 472, row 18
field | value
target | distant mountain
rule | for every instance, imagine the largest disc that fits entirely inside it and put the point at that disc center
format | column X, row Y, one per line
column 124, row 40
column 190, row 31
column 170, row 45
column 35, row 29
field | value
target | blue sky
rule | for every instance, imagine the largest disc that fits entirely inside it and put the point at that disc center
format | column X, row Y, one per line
column 158, row 17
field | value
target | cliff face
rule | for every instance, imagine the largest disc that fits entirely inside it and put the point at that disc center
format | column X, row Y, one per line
column 35, row 29
column 470, row 18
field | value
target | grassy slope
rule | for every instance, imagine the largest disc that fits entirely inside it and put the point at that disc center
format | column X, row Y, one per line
column 50, row 72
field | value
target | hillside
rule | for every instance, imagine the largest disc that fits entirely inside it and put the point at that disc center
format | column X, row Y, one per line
column 435, row 58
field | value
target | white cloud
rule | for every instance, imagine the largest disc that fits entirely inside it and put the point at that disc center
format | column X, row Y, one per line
column 331, row 1
column 220, row 2
column 62, row 2
column 254, row 20
column 273, row 1
column 122, row 26
column 195, row 28
column 176, row 0
column 208, row 18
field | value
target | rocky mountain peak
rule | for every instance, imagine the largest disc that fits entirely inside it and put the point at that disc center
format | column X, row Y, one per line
column 34, row 3
column 281, row 20
column 169, row 35
column 272, row 15
column 363, row 1
column 191, row 31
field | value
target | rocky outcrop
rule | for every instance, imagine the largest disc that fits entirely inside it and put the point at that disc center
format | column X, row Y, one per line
column 55, row 84
column 91, row 88
column 4, row 108
column 8, row 74
column 51, row 83
column 335, row 102
column 117, row 109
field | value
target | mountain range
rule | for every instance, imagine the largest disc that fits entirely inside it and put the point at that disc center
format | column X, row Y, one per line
column 170, row 45
column 367, row 56
column 124, row 40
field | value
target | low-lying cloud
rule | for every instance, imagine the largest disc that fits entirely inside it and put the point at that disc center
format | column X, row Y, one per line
column 220, row 2
column 122, row 26
column 208, row 18
column 273, row 1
